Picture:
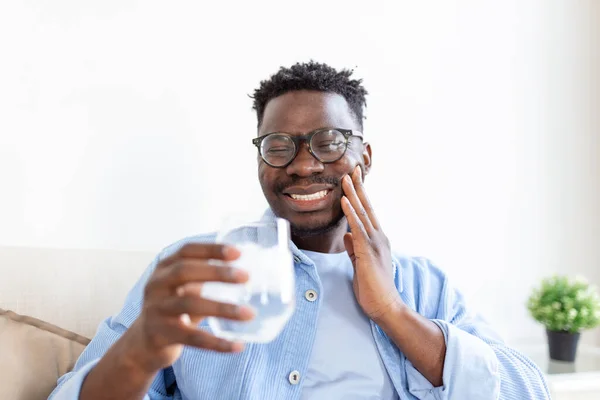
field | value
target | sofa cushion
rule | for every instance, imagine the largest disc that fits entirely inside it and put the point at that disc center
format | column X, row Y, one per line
column 34, row 354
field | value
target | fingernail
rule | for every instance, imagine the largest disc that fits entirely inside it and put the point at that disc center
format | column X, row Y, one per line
column 230, row 252
column 245, row 312
column 237, row 274
column 242, row 275
column 236, row 347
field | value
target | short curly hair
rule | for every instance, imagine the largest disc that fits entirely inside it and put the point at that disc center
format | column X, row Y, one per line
column 312, row 76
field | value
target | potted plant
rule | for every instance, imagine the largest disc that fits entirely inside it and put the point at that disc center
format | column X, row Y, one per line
column 565, row 306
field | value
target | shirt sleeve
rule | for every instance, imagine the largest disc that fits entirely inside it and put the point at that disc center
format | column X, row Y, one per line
column 478, row 365
column 109, row 331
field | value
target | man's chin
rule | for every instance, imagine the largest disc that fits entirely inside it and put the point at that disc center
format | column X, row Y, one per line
column 315, row 228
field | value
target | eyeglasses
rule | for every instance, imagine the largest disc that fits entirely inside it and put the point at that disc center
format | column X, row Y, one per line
column 326, row 145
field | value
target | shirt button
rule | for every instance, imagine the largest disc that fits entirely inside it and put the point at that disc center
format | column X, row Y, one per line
column 294, row 377
column 310, row 295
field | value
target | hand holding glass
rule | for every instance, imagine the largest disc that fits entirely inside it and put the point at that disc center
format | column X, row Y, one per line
column 265, row 254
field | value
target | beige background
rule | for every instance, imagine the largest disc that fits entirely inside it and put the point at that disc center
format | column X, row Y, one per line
column 73, row 289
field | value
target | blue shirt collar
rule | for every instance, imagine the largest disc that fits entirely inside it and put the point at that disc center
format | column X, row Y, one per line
column 300, row 257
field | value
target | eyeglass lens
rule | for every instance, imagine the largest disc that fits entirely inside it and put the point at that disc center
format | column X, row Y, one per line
column 328, row 145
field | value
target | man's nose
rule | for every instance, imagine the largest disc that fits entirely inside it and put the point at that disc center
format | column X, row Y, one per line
column 304, row 164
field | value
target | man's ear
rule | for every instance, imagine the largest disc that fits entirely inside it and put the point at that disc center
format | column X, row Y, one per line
column 367, row 158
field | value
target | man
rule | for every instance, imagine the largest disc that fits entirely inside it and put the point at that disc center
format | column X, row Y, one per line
column 382, row 326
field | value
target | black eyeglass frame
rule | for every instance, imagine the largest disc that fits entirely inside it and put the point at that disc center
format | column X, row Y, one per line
column 299, row 139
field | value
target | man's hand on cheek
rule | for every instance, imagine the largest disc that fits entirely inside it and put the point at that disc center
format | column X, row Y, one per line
column 369, row 250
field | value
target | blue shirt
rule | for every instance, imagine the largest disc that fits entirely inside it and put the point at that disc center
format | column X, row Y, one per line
column 478, row 365
column 345, row 366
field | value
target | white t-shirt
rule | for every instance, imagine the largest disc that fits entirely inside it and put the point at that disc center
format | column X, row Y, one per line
column 345, row 363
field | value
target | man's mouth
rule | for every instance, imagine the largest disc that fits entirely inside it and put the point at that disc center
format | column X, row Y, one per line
column 307, row 197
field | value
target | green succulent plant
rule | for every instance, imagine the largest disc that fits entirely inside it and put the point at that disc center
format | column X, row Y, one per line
column 565, row 304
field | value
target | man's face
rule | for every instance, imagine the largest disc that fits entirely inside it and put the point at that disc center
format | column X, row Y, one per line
column 286, row 189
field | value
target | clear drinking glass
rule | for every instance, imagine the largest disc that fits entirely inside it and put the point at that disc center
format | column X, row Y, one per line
column 266, row 255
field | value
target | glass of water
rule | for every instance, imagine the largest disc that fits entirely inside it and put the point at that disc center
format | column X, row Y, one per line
column 266, row 255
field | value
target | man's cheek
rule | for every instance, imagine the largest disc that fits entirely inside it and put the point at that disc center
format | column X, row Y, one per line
column 263, row 177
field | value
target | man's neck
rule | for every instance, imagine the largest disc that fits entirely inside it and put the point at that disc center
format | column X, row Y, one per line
column 329, row 242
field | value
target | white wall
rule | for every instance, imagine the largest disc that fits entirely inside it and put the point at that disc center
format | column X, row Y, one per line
column 480, row 117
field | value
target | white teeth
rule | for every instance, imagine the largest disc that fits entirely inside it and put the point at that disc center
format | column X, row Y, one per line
column 314, row 196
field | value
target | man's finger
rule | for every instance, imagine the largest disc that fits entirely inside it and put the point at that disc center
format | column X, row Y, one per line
column 186, row 271
column 352, row 196
column 204, row 340
column 362, row 195
column 203, row 251
column 181, row 333
column 356, row 226
column 194, row 289
column 197, row 307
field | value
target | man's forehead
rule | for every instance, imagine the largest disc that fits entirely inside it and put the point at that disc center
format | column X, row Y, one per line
column 302, row 111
